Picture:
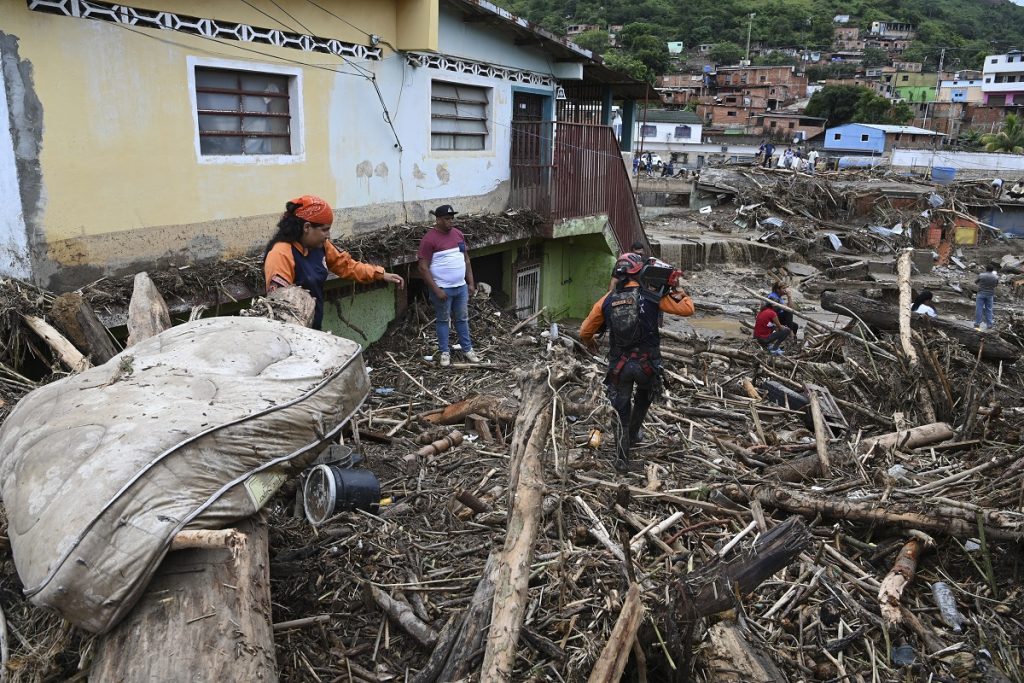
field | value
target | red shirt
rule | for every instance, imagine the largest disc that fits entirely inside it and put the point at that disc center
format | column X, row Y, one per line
column 761, row 328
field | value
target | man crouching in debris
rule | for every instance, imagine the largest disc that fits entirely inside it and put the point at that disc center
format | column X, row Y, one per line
column 630, row 313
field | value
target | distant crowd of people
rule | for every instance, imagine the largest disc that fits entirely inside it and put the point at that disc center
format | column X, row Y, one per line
column 769, row 156
column 652, row 166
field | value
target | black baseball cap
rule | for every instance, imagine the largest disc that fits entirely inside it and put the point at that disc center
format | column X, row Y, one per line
column 444, row 210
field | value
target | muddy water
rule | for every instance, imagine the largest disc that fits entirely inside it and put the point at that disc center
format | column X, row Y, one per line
column 707, row 325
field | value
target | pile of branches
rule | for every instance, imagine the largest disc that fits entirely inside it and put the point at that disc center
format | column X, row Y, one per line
column 759, row 539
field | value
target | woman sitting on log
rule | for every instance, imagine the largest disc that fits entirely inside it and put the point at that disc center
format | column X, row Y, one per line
column 301, row 253
column 923, row 304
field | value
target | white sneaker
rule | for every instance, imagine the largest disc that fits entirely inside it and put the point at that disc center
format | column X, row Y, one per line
column 472, row 357
column 446, row 359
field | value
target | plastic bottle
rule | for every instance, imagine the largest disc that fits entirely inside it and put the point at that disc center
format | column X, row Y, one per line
column 943, row 596
column 554, row 332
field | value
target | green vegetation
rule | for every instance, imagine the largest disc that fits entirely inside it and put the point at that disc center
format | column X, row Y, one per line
column 969, row 29
column 726, row 53
column 1010, row 139
column 855, row 104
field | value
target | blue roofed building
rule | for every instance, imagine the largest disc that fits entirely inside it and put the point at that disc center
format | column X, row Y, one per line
column 873, row 138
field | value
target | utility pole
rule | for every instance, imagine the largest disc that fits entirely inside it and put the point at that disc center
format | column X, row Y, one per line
column 750, row 25
column 938, row 85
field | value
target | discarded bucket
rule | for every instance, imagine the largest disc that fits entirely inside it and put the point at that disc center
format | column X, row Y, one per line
column 330, row 490
column 943, row 174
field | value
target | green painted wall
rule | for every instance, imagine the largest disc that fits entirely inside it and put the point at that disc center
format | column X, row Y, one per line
column 370, row 311
column 575, row 274
column 916, row 93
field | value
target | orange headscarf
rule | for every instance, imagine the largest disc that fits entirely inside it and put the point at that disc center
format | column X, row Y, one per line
column 314, row 209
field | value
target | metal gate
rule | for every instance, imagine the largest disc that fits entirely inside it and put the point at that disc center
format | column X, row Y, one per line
column 527, row 292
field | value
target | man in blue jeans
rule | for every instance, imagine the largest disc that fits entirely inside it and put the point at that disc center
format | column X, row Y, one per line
column 445, row 267
column 985, row 301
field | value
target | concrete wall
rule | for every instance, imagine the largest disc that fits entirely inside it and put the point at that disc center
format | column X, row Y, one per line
column 104, row 129
column 980, row 161
column 851, row 139
column 575, row 274
column 665, row 135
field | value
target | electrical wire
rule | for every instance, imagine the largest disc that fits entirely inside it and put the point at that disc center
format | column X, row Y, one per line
column 341, row 19
column 304, row 27
column 269, row 16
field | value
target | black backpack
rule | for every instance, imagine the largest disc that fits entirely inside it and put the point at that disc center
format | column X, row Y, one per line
column 623, row 319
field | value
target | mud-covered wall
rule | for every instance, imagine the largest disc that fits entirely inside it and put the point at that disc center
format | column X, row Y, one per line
column 105, row 138
column 21, row 185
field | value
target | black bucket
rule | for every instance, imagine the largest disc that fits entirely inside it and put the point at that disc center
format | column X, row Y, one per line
column 330, row 490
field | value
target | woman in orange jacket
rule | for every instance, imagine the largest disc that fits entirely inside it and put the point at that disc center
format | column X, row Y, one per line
column 301, row 253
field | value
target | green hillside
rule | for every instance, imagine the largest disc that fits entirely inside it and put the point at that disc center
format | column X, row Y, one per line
column 968, row 29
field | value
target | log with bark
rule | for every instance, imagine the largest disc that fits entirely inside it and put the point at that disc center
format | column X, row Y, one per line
column 204, row 617
column 458, row 645
column 947, row 519
column 899, row 577
column 715, row 586
column 526, row 486
column 496, row 408
column 732, row 658
column 611, row 663
column 908, row 439
column 61, row 347
column 884, row 317
column 78, row 321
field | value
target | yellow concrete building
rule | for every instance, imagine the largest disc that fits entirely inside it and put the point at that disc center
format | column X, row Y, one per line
column 118, row 160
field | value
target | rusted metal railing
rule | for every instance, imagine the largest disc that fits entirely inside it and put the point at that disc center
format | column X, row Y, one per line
column 571, row 170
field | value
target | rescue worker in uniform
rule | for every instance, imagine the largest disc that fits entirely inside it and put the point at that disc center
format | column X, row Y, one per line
column 634, row 355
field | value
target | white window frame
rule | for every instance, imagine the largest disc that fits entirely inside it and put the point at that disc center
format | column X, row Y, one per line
column 491, row 92
column 295, row 109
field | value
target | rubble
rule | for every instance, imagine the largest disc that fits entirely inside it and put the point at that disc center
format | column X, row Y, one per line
column 771, row 533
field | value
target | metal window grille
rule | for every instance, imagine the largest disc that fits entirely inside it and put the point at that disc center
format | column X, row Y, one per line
column 458, row 116
column 527, row 292
column 242, row 112
column 648, row 131
column 682, row 132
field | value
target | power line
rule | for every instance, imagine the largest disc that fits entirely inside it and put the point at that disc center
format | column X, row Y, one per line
column 272, row 2
column 268, row 16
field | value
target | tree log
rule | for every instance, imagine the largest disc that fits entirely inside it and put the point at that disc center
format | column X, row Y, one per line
column 75, row 317
column 908, row 439
column 713, row 587
column 291, row 305
column 403, row 615
column 204, row 617
column 611, row 663
column 899, row 577
column 884, row 317
column 459, row 642
column 945, row 519
column 148, row 315
column 497, row 408
column 821, row 435
column 526, row 486
column 734, row 659
column 798, row 469
column 64, row 350
column 906, row 300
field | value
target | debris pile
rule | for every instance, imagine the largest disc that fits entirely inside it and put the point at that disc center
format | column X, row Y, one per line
column 848, row 511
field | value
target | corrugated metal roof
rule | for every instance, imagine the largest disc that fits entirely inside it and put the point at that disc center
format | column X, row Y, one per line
column 913, row 130
column 668, row 116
